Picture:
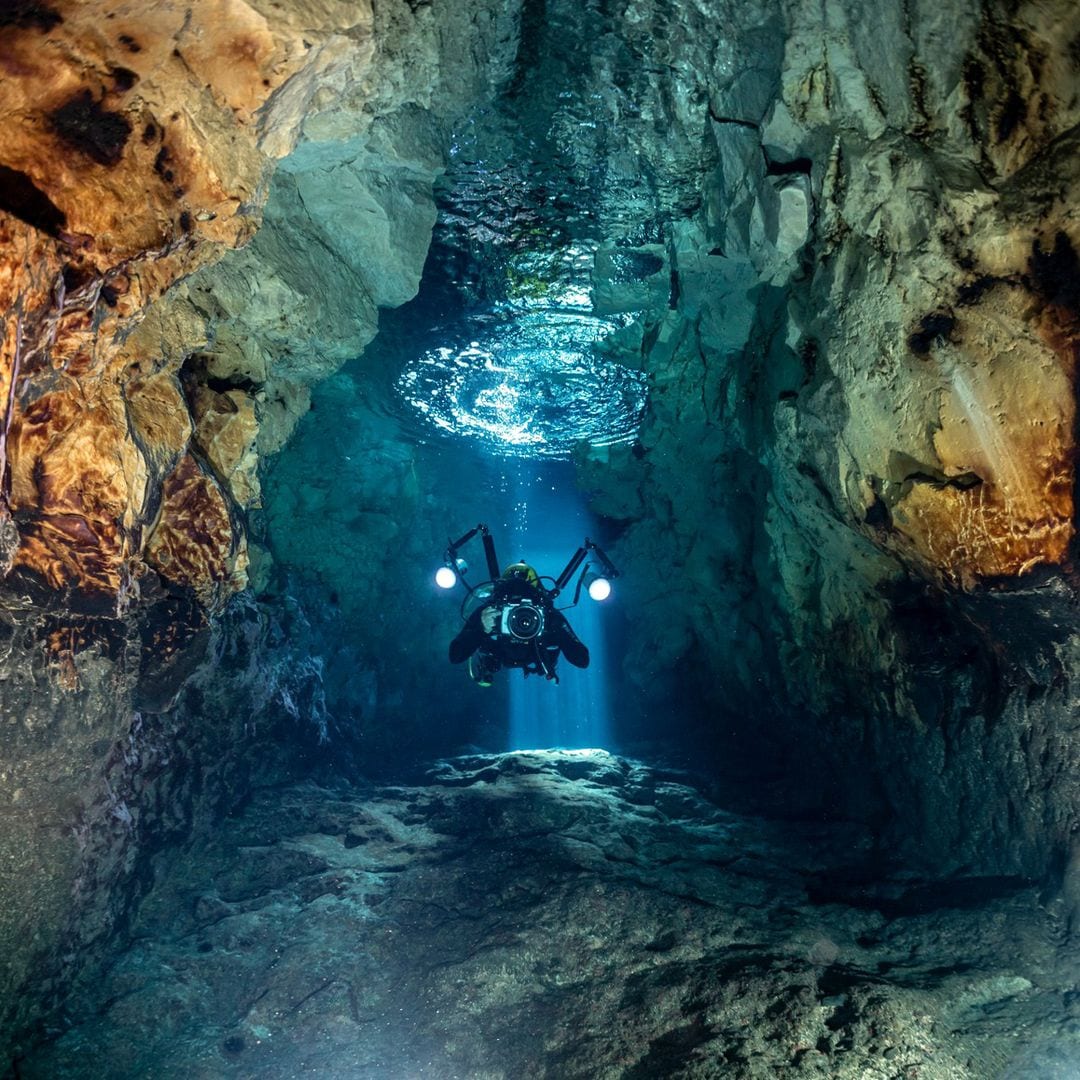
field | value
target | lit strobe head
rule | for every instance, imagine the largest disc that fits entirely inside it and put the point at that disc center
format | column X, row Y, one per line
column 599, row 587
column 446, row 577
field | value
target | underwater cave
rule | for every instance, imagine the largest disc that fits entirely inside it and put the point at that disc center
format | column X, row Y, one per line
column 538, row 539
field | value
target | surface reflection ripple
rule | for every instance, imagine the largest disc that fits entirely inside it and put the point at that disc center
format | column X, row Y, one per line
column 527, row 383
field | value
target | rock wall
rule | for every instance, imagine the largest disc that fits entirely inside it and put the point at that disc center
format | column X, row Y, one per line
column 102, row 768
column 152, row 356
column 135, row 158
column 142, row 155
column 860, row 453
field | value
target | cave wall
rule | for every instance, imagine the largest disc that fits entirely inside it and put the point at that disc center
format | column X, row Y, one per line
column 156, row 350
column 105, row 767
column 862, row 433
column 152, row 356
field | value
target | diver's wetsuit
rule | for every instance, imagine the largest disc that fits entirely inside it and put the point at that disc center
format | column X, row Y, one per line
column 557, row 636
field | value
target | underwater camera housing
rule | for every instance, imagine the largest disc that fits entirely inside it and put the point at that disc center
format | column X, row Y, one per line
column 521, row 621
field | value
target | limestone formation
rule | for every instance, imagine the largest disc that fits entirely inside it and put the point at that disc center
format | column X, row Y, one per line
column 853, row 467
column 139, row 391
column 143, row 148
column 132, row 158
column 842, row 243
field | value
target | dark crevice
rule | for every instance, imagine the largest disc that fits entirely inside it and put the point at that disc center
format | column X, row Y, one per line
column 84, row 125
column 194, row 373
column 963, row 482
column 28, row 14
column 919, row 898
column 533, row 22
column 933, row 329
column 161, row 165
column 795, row 167
column 1054, row 274
column 75, row 277
column 878, row 515
column 234, row 382
column 718, row 119
column 123, row 78
column 22, row 198
column 970, row 294
column 1013, row 112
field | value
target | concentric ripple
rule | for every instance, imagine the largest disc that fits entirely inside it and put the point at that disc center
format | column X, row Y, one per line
column 529, row 383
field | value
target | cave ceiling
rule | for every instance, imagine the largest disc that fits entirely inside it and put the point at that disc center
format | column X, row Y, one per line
column 175, row 295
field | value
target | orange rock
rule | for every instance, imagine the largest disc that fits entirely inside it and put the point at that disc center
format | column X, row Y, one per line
column 194, row 542
column 131, row 158
column 158, row 421
column 1003, row 422
column 77, row 483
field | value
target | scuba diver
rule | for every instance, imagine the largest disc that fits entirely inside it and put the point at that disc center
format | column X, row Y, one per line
column 513, row 621
column 518, row 626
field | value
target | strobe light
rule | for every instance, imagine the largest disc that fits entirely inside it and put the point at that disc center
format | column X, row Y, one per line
column 446, row 577
column 599, row 587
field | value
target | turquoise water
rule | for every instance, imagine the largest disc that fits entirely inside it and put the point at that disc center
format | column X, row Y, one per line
column 506, row 391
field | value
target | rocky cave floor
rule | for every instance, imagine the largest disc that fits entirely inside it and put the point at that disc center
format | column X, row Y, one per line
column 565, row 914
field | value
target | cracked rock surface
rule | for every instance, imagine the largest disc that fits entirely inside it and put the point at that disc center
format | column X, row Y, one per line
column 566, row 914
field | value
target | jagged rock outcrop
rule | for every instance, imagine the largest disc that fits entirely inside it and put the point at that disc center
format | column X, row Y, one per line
column 133, row 157
column 112, row 750
column 143, row 151
column 857, row 491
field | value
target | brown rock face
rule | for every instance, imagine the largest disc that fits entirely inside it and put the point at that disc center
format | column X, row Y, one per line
column 947, row 182
column 74, row 475
column 999, row 367
column 131, row 158
column 226, row 431
column 194, row 542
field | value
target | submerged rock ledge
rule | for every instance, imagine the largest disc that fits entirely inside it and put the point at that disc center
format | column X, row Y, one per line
column 565, row 914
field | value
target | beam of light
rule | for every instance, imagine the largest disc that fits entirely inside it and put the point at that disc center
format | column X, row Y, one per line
column 551, row 520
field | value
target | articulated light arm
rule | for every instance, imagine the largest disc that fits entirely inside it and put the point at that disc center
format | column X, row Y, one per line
column 576, row 560
column 609, row 566
column 454, row 568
